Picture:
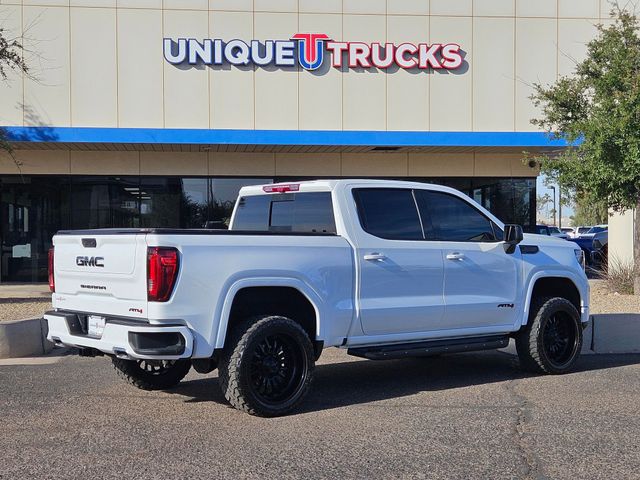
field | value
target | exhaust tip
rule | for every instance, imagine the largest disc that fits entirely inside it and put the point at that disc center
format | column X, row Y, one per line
column 121, row 353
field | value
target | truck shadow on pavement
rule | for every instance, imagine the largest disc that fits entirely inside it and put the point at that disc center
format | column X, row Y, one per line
column 363, row 381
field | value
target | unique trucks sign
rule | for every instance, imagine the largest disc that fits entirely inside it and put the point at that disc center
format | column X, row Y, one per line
column 308, row 51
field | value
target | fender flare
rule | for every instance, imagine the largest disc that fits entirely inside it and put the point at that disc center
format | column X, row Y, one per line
column 225, row 312
column 546, row 274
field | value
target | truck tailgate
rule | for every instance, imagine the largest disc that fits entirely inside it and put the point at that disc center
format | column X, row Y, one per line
column 101, row 273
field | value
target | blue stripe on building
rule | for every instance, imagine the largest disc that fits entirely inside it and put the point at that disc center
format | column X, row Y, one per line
column 282, row 137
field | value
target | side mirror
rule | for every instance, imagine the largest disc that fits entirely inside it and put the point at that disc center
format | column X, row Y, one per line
column 513, row 234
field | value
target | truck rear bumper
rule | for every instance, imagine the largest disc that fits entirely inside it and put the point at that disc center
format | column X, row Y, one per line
column 135, row 340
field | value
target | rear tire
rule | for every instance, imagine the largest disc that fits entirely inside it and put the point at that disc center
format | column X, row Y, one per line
column 152, row 374
column 552, row 340
column 267, row 366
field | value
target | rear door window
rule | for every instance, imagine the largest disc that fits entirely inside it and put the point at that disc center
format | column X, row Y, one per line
column 310, row 212
column 389, row 213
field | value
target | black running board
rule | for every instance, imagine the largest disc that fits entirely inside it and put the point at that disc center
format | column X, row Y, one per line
column 431, row 347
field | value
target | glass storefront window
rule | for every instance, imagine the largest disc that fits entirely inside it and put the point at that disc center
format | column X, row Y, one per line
column 104, row 202
column 224, row 192
column 33, row 208
column 161, row 201
column 512, row 200
column 496, row 195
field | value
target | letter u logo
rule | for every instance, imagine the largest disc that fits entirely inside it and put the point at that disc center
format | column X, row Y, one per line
column 310, row 49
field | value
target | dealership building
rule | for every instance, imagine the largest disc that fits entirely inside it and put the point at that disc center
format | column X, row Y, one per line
column 145, row 113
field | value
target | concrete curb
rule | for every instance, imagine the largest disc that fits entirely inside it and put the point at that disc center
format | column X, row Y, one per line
column 610, row 333
column 614, row 333
column 24, row 338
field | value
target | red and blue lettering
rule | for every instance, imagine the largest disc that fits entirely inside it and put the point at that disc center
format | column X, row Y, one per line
column 310, row 49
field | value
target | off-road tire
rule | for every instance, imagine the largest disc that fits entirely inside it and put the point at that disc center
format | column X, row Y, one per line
column 240, row 378
column 534, row 351
column 146, row 376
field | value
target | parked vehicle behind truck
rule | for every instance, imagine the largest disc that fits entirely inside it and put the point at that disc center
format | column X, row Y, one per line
column 384, row 269
column 586, row 242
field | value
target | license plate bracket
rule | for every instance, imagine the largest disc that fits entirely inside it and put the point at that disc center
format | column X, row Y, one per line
column 95, row 326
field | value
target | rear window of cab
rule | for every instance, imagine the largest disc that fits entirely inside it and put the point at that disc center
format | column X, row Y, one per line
column 306, row 212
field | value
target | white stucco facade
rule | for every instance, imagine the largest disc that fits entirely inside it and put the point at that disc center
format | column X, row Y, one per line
column 99, row 63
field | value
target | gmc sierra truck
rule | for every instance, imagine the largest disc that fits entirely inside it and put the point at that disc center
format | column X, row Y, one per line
column 384, row 269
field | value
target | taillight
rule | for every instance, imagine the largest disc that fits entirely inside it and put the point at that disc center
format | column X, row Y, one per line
column 52, row 282
column 162, row 271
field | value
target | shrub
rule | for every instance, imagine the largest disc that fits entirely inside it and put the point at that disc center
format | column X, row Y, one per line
column 619, row 275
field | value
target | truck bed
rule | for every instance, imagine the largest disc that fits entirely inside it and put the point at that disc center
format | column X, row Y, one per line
column 104, row 272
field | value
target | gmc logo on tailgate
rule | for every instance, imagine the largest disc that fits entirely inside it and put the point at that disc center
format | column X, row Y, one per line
column 90, row 261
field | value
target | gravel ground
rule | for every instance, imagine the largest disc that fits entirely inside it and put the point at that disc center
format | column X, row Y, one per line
column 604, row 300
column 18, row 309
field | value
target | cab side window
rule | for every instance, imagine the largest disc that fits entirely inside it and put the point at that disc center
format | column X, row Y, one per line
column 451, row 219
column 389, row 213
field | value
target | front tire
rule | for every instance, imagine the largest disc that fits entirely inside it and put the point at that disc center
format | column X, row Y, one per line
column 151, row 374
column 552, row 340
column 267, row 367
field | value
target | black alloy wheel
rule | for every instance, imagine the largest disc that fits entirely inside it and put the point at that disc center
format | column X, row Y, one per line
column 156, row 367
column 267, row 366
column 552, row 339
column 560, row 339
column 277, row 368
column 152, row 374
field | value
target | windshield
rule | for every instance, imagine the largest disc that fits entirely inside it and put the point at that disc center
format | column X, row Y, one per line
column 584, row 229
column 554, row 230
column 597, row 229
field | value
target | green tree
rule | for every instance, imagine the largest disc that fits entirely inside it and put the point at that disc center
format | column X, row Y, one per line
column 11, row 58
column 588, row 211
column 597, row 110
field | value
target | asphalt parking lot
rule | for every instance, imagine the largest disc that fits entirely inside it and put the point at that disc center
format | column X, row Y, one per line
column 460, row 416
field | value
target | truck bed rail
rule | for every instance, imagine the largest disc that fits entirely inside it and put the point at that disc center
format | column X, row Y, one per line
column 188, row 231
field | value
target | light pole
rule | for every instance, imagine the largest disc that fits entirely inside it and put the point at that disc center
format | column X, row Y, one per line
column 559, row 207
column 551, row 187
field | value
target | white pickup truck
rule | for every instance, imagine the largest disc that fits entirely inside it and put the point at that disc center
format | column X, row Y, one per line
column 384, row 269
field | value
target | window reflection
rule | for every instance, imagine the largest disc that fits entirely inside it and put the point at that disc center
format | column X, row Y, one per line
column 104, row 202
column 224, row 192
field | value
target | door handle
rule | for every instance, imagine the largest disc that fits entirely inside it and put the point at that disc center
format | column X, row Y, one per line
column 455, row 256
column 375, row 257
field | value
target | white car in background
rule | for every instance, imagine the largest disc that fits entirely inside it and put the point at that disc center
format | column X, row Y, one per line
column 595, row 229
column 577, row 232
column 556, row 232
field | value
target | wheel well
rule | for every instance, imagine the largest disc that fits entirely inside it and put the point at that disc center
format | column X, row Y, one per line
column 556, row 287
column 285, row 301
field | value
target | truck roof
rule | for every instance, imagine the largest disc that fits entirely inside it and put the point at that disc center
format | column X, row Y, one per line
column 327, row 185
